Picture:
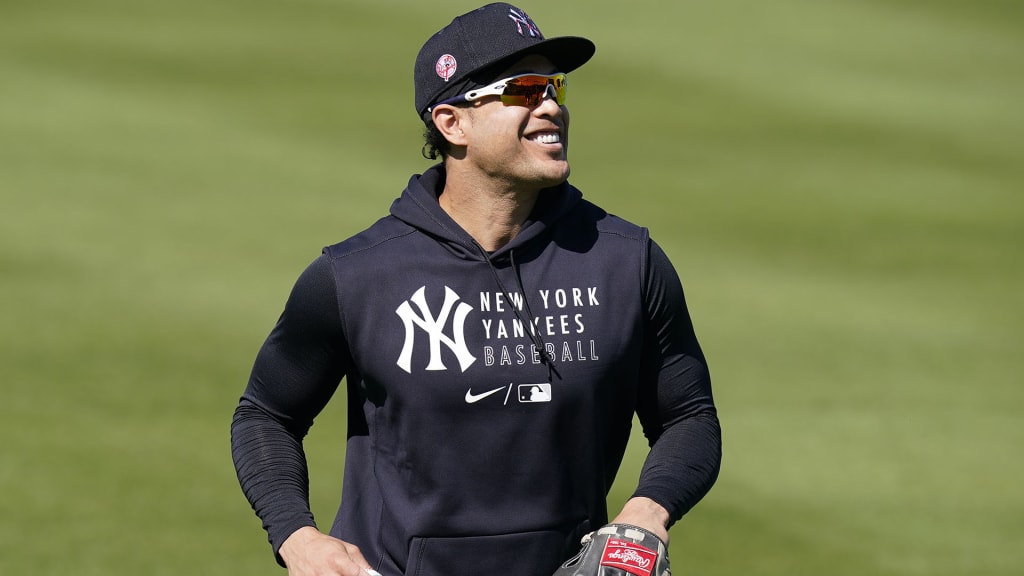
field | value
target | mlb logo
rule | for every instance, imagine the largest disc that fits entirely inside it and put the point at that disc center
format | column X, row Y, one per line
column 532, row 393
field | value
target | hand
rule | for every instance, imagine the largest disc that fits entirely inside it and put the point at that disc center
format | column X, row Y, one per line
column 309, row 552
column 646, row 514
column 620, row 549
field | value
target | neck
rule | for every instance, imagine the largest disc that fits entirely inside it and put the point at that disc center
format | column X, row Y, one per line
column 492, row 214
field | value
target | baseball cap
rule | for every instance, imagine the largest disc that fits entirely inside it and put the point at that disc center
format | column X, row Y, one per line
column 478, row 45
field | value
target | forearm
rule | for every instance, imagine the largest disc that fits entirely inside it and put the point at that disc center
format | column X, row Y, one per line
column 683, row 464
column 272, row 471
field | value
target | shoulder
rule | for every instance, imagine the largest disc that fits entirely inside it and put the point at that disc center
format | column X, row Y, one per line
column 588, row 214
column 378, row 237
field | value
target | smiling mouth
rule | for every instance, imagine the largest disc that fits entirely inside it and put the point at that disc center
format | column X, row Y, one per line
column 546, row 138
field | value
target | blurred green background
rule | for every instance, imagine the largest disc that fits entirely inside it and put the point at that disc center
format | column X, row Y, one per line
column 839, row 184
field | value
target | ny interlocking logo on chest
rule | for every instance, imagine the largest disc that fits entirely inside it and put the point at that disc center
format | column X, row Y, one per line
column 434, row 327
column 504, row 335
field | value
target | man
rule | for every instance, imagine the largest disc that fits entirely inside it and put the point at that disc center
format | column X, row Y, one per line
column 496, row 334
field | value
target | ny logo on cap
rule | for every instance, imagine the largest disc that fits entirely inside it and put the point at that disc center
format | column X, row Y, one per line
column 523, row 21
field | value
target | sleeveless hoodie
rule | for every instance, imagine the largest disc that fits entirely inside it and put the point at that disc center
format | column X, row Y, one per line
column 490, row 395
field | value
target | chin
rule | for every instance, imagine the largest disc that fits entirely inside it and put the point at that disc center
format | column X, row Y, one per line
column 552, row 182
column 556, row 176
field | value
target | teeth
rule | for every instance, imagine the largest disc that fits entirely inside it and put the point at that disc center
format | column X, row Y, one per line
column 547, row 138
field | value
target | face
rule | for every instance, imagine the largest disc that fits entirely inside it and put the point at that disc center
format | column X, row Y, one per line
column 522, row 146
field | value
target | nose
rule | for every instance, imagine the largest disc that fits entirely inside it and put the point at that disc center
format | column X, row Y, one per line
column 549, row 105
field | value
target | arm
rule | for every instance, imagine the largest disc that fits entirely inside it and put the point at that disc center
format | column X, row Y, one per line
column 675, row 407
column 295, row 373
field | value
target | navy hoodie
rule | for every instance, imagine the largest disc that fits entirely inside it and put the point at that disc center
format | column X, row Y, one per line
column 490, row 395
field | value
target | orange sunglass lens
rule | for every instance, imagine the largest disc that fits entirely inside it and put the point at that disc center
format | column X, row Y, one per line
column 530, row 90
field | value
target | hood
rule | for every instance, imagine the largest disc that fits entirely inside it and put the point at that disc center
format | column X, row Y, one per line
column 418, row 207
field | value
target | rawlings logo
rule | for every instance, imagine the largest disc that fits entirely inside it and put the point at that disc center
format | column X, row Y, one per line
column 634, row 559
column 630, row 557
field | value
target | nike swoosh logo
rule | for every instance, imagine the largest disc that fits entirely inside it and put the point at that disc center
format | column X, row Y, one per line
column 471, row 398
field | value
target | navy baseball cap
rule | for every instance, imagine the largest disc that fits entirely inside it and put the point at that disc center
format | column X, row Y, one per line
column 478, row 45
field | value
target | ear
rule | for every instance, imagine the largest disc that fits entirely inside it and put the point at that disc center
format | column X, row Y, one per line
column 450, row 121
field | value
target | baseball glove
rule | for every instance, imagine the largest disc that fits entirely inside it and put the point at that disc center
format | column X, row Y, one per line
column 618, row 550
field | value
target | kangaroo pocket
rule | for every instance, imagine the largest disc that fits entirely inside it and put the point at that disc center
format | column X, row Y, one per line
column 522, row 554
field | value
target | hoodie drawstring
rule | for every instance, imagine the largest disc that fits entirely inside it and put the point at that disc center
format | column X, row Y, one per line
column 531, row 328
column 534, row 335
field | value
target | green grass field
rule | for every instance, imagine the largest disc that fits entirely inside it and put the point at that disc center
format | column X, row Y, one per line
column 841, row 185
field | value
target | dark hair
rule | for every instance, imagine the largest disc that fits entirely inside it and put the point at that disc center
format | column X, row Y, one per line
column 435, row 145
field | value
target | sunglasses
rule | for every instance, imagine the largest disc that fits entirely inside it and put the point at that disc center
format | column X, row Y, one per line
column 522, row 90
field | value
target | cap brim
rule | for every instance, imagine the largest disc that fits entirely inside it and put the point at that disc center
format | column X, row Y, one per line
column 567, row 53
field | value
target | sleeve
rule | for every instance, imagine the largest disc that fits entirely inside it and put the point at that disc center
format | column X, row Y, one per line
column 675, row 407
column 296, row 372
